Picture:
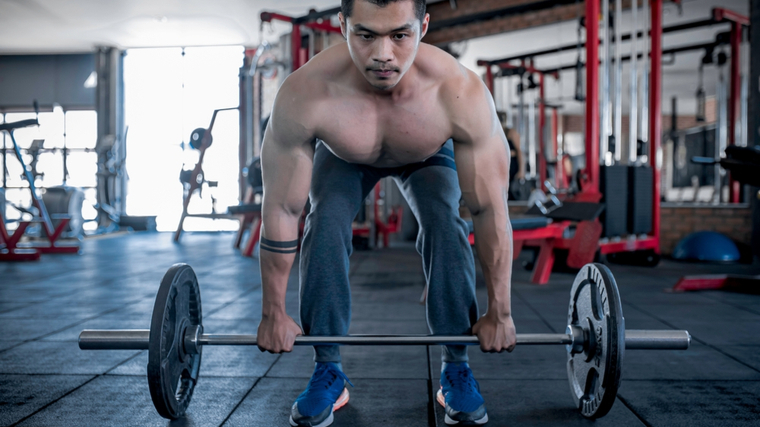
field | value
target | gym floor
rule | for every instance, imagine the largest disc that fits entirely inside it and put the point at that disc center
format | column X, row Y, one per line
column 45, row 380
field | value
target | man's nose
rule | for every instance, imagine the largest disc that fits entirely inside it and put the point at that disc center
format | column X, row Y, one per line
column 383, row 50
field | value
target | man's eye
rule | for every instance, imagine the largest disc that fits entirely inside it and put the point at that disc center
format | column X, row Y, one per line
column 365, row 36
column 399, row 36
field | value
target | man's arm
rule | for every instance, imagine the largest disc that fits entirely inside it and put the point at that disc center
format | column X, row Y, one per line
column 286, row 163
column 482, row 157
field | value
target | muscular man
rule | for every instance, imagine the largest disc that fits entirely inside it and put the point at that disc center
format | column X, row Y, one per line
column 383, row 104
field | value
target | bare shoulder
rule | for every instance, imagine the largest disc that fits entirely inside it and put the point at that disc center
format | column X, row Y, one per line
column 459, row 87
column 462, row 94
column 296, row 105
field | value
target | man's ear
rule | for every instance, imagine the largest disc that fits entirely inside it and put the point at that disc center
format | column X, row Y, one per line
column 424, row 25
column 343, row 28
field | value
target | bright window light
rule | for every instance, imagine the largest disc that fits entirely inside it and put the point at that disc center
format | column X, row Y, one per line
column 167, row 95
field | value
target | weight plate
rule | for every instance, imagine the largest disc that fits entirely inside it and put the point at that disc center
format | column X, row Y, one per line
column 594, row 373
column 196, row 138
column 173, row 373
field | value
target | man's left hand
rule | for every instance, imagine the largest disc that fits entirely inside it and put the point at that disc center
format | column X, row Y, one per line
column 496, row 333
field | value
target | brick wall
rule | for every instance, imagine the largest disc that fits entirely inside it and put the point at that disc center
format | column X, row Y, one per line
column 442, row 11
column 575, row 123
column 677, row 221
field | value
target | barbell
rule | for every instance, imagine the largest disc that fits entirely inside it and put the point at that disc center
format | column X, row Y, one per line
column 595, row 340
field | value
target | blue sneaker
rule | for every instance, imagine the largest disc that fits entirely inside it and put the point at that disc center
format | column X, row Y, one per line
column 460, row 395
column 325, row 394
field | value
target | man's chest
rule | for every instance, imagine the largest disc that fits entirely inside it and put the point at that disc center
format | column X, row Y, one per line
column 383, row 134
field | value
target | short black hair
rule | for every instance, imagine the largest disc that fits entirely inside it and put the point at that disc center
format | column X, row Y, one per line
column 347, row 6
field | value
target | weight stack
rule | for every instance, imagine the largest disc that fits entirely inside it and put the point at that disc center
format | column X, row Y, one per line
column 613, row 183
column 640, row 183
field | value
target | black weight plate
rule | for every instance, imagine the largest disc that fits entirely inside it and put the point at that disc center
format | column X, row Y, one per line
column 594, row 374
column 521, row 188
column 196, row 138
column 173, row 373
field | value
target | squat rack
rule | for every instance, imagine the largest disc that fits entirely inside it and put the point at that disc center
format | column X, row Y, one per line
column 590, row 190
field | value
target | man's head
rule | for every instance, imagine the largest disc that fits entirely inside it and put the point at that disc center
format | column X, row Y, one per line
column 383, row 37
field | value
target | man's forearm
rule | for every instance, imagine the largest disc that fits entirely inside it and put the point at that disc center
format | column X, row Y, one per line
column 493, row 243
column 276, row 255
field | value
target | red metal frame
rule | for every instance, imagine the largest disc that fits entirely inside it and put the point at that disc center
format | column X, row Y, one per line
column 591, row 171
column 489, row 77
column 391, row 225
column 489, row 81
column 298, row 53
column 12, row 251
column 9, row 251
column 734, row 105
column 715, row 282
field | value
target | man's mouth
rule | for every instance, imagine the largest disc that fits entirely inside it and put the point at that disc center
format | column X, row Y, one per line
column 380, row 72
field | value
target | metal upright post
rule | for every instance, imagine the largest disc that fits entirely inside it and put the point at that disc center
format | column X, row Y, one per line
column 645, row 71
column 655, row 116
column 541, row 134
column 618, row 81
column 489, row 79
column 605, row 133
column 734, row 100
column 532, row 139
column 721, row 130
column 521, row 116
column 592, row 95
column 634, row 76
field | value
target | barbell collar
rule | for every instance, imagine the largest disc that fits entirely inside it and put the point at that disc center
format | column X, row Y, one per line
column 138, row 339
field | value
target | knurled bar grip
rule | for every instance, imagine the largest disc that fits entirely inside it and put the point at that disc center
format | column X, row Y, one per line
column 137, row 339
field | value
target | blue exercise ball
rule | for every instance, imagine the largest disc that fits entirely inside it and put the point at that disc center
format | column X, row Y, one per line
column 706, row 246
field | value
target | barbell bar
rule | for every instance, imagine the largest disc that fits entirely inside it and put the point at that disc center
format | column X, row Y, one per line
column 595, row 340
column 139, row 339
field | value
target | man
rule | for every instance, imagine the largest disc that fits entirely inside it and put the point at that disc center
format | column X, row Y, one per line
column 383, row 104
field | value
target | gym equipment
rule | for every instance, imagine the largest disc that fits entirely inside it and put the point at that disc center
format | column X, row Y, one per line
column 250, row 210
column 65, row 200
column 193, row 180
column 706, row 246
column 196, row 138
column 742, row 162
column 9, row 249
column 595, row 340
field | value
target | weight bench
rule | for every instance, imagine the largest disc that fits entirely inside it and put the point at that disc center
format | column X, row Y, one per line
column 251, row 220
column 571, row 226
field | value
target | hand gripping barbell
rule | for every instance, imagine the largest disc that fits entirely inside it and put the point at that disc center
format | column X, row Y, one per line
column 595, row 340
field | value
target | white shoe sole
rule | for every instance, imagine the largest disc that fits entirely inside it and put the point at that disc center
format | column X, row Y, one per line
column 451, row 422
column 342, row 400
column 328, row 421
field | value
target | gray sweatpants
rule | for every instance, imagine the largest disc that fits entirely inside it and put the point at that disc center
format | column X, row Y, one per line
column 431, row 188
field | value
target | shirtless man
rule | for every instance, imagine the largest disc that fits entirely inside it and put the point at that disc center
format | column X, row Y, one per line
column 383, row 104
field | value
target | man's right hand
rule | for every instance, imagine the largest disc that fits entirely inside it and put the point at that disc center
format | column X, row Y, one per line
column 277, row 333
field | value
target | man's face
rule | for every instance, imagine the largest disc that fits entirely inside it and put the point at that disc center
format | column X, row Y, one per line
column 383, row 41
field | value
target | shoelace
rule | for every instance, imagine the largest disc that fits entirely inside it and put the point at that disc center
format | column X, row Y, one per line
column 461, row 379
column 325, row 375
